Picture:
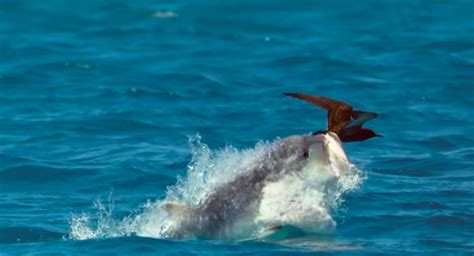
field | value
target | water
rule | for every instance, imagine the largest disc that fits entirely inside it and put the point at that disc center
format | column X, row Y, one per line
column 99, row 100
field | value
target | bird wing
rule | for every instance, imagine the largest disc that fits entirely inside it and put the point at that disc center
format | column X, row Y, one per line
column 339, row 113
column 354, row 126
column 358, row 118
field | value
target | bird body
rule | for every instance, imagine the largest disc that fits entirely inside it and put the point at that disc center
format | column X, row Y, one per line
column 342, row 119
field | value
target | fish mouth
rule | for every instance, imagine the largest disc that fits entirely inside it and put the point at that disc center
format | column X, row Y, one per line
column 318, row 160
column 326, row 157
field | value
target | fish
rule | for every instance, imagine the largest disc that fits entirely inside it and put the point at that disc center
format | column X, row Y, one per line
column 219, row 214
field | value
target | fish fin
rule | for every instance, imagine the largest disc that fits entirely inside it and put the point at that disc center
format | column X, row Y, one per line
column 175, row 209
column 280, row 232
column 274, row 228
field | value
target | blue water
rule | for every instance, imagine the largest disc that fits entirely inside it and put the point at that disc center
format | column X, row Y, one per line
column 99, row 99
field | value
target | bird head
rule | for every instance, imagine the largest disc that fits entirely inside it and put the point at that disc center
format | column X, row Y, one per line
column 367, row 134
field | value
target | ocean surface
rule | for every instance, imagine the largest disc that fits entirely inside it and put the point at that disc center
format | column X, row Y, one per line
column 104, row 104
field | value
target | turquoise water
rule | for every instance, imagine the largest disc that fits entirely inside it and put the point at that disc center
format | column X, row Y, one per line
column 100, row 98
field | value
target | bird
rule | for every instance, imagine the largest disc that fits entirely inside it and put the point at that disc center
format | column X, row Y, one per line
column 342, row 119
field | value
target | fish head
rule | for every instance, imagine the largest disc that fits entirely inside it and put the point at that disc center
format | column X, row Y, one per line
column 324, row 154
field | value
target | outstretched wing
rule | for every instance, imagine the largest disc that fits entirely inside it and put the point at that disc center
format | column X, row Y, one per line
column 339, row 113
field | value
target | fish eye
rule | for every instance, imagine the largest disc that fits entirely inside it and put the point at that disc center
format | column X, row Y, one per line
column 305, row 154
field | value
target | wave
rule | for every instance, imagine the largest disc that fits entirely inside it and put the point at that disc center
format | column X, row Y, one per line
column 27, row 234
column 35, row 172
column 300, row 201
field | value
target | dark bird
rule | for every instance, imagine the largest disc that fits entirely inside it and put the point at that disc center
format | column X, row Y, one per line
column 342, row 119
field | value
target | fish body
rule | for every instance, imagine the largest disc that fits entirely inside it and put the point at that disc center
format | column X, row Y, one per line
column 216, row 216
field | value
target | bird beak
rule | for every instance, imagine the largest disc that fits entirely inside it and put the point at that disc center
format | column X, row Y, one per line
column 378, row 135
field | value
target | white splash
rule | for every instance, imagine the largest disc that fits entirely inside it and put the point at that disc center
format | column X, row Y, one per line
column 84, row 226
column 304, row 200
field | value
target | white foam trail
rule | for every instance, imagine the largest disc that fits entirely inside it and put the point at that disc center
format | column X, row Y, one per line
column 305, row 201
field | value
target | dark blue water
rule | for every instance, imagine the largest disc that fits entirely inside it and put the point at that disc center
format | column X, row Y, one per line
column 98, row 99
